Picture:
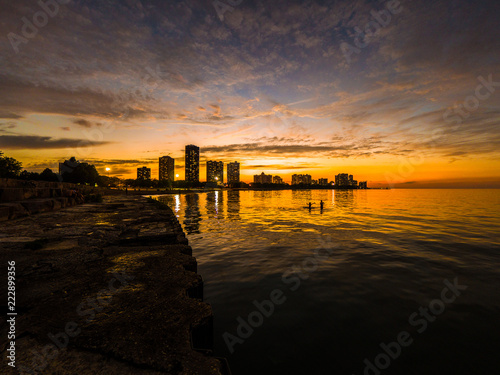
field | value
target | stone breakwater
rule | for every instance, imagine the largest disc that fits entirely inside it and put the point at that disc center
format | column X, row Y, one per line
column 24, row 198
column 108, row 288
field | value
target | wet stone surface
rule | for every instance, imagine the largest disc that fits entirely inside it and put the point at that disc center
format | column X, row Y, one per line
column 106, row 288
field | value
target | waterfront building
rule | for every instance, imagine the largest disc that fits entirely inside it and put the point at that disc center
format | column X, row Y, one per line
column 363, row 185
column 263, row 178
column 192, row 161
column 167, row 169
column 277, row 180
column 233, row 173
column 215, row 171
column 342, row 180
column 301, row 179
column 144, row 173
column 323, row 181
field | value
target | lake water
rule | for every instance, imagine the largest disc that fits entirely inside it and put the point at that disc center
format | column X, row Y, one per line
column 349, row 278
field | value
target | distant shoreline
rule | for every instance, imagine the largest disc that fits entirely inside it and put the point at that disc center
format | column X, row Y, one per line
column 191, row 191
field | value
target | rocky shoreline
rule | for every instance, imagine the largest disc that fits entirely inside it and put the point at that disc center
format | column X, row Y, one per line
column 106, row 288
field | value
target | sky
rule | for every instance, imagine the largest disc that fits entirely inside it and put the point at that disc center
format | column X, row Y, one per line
column 397, row 93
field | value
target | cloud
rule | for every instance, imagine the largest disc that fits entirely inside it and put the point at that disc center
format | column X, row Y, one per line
column 83, row 122
column 32, row 142
column 365, row 148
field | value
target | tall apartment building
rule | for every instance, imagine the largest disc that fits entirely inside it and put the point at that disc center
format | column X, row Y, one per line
column 192, row 161
column 233, row 172
column 144, row 173
column 301, row 179
column 342, row 180
column 167, row 168
column 323, row 181
column 215, row 171
column 263, row 178
column 277, row 180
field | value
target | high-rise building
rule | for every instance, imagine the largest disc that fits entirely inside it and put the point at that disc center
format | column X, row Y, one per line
column 192, row 161
column 215, row 171
column 263, row 178
column 144, row 173
column 363, row 185
column 277, row 180
column 342, row 180
column 301, row 179
column 323, row 182
column 167, row 168
column 233, row 173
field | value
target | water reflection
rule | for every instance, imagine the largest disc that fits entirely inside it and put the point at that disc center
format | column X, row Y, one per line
column 343, row 199
column 177, row 203
column 233, row 205
column 192, row 216
column 215, row 205
column 302, row 195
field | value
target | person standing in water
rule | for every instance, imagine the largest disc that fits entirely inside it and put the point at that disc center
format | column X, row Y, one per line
column 321, row 204
column 310, row 205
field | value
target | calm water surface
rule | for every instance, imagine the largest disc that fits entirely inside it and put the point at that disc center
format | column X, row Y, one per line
column 384, row 254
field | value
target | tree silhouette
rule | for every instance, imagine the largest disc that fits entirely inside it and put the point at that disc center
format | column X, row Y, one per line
column 9, row 167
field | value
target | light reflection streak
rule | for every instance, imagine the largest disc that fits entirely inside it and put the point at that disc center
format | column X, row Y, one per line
column 177, row 203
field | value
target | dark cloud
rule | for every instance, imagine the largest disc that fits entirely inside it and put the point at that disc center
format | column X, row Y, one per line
column 314, row 149
column 33, row 142
column 83, row 122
